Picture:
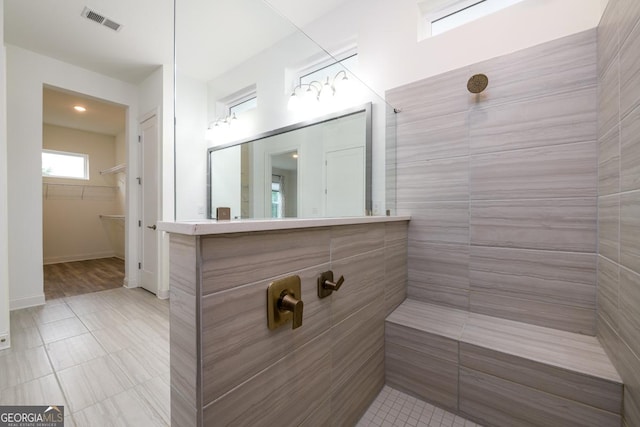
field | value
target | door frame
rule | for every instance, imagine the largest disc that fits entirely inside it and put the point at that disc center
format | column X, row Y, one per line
column 163, row 291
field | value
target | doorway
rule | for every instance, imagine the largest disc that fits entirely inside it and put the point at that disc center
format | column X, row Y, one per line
column 84, row 157
column 284, row 185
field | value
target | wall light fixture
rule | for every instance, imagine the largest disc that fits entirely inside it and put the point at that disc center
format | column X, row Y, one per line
column 308, row 94
column 218, row 124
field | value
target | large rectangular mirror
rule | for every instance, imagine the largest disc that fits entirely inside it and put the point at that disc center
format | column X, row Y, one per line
column 316, row 168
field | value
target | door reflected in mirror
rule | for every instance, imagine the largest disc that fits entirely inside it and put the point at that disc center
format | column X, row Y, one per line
column 284, row 185
column 319, row 168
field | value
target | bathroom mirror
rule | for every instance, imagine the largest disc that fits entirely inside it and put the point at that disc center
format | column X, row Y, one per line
column 316, row 168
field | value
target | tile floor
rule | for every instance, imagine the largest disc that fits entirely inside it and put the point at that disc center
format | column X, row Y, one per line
column 105, row 357
column 393, row 408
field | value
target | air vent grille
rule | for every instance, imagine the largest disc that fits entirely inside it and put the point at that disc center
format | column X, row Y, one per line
column 111, row 24
column 100, row 19
column 95, row 17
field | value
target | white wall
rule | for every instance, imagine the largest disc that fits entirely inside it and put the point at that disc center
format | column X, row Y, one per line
column 4, row 234
column 191, row 148
column 121, row 177
column 392, row 56
column 226, row 185
column 72, row 228
column 27, row 72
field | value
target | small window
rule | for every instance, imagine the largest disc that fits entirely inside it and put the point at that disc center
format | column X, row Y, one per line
column 277, row 198
column 243, row 105
column 463, row 12
column 60, row 164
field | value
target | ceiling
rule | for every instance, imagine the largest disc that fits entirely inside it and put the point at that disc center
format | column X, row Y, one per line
column 100, row 116
column 57, row 29
column 213, row 35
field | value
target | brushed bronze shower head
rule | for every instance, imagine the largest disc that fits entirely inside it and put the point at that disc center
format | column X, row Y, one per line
column 477, row 83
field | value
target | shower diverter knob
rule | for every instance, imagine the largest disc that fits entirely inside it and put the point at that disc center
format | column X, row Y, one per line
column 326, row 285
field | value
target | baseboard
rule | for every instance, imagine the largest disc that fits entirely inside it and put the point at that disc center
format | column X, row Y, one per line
column 18, row 303
column 82, row 257
column 128, row 284
column 7, row 340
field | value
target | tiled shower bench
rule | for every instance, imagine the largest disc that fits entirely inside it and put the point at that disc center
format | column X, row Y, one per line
column 499, row 372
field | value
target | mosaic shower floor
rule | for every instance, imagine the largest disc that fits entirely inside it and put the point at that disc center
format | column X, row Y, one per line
column 393, row 408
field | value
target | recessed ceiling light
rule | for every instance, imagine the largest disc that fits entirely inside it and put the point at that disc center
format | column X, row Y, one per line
column 79, row 108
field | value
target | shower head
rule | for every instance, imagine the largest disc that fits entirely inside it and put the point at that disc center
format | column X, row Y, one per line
column 477, row 83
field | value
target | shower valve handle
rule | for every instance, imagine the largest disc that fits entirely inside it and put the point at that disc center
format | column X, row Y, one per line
column 326, row 285
column 288, row 302
column 333, row 286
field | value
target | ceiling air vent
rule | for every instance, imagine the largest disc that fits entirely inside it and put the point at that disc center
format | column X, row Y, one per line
column 96, row 17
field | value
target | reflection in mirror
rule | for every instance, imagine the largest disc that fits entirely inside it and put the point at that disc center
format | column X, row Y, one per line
column 284, row 185
column 317, row 168
column 272, row 76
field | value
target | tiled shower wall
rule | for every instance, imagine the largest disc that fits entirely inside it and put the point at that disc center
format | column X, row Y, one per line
column 619, row 195
column 502, row 186
column 228, row 368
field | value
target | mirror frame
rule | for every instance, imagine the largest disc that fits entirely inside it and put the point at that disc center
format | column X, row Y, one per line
column 364, row 108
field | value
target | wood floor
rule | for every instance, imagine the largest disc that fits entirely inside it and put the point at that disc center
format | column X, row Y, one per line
column 82, row 277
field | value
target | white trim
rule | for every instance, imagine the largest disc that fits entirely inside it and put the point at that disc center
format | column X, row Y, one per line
column 7, row 343
column 82, row 257
column 451, row 9
column 126, row 284
column 19, row 303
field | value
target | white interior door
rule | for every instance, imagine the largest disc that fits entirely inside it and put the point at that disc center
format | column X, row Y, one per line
column 345, row 182
column 149, row 204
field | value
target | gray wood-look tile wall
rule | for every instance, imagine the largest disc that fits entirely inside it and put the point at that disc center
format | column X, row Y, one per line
column 235, row 371
column 502, row 187
column 618, row 320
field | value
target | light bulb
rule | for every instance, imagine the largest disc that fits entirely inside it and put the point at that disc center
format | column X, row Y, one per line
column 342, row 83
column 294, row 102
column 326, row 93
column 209, row 134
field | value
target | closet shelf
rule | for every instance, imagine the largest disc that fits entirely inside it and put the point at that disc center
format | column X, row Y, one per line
column 78, row 191
column 112, row 217
column 116, row 169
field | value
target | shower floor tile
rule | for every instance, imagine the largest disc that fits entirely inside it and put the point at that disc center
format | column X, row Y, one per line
column 393, row 408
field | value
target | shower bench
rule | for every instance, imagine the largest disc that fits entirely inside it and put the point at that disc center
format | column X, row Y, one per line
column 499, row 372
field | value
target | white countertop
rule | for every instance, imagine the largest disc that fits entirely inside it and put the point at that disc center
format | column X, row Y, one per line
column 211, row 226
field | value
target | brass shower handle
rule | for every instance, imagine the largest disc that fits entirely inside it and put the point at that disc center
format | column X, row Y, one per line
column 288, row 302
column 333, row 286
column 326, row 285
column 284, row 302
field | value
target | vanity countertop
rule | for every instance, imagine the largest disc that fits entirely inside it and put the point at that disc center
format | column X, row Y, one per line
column 211, row 226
